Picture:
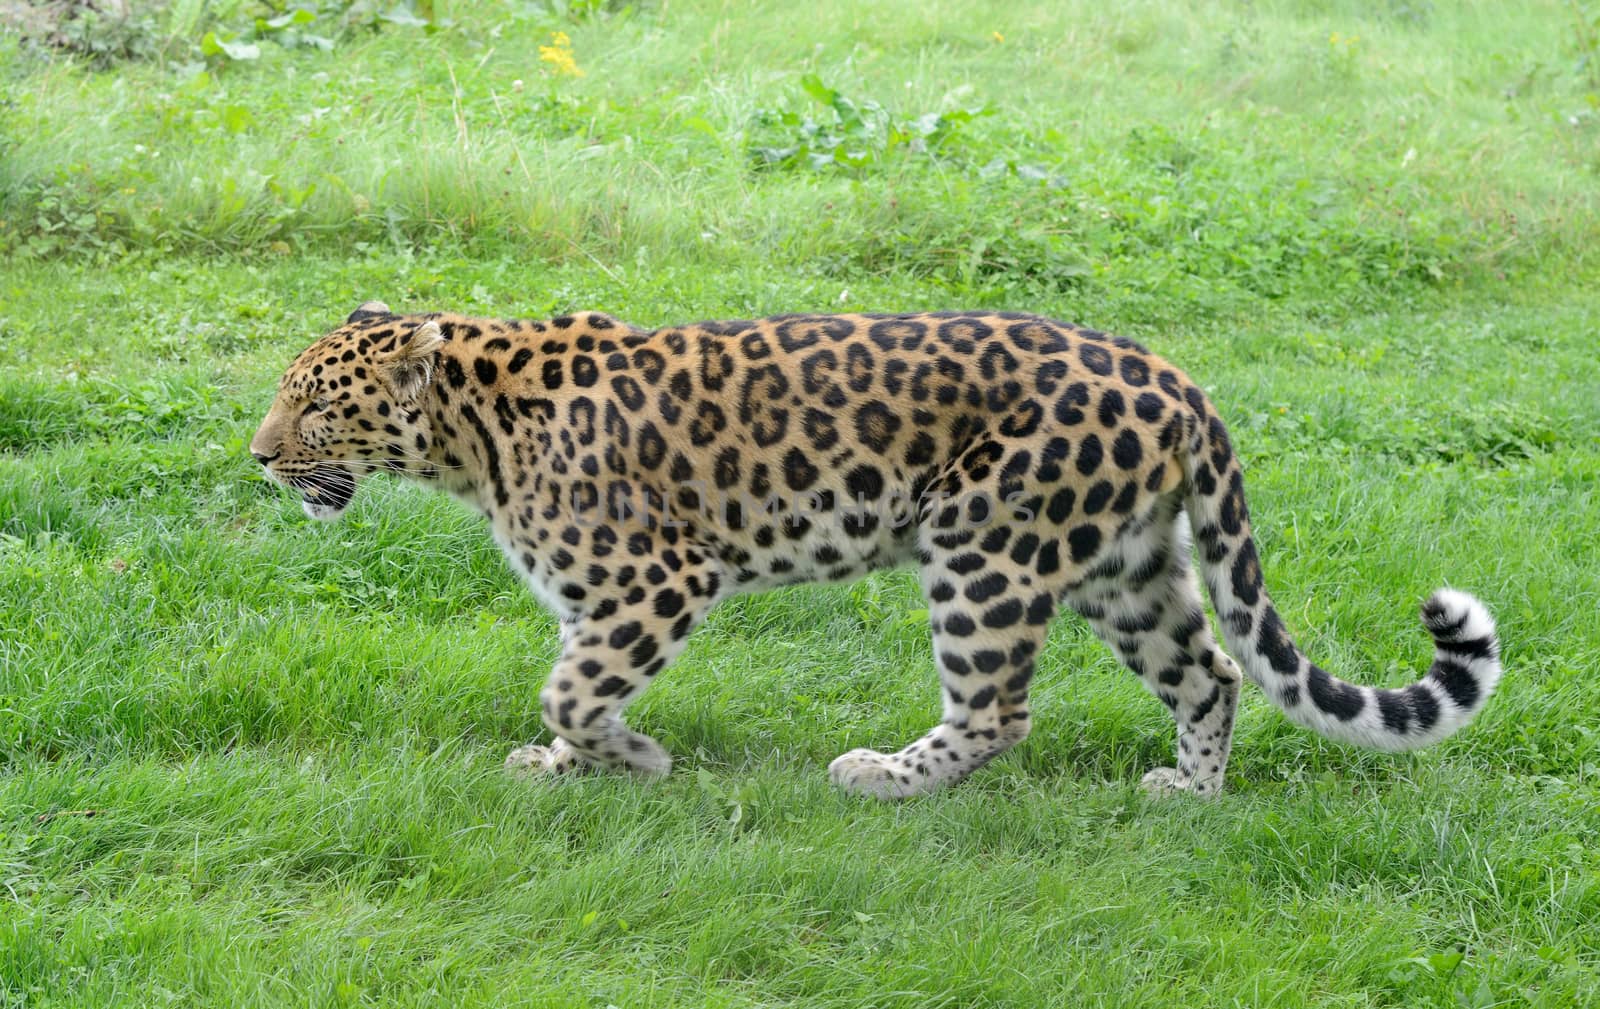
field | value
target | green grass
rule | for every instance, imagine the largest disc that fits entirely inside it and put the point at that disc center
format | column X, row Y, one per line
column 1375, row 255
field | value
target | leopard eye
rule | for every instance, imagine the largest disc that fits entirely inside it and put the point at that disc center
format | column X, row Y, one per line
column 317, row 405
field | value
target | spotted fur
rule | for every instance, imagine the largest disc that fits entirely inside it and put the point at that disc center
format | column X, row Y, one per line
column 629, row 477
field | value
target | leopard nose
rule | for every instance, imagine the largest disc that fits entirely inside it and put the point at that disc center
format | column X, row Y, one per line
column 263, row 458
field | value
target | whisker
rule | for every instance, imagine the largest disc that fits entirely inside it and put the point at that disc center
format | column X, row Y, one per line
column 405, row 454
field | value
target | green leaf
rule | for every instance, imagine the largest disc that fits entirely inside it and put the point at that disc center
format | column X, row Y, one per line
column 298, row 16
column 401, row 16
column 213, row 44
column 707, row 782
column 699, row 123
column 816, row 89
column 927, row 125
column 236, row 118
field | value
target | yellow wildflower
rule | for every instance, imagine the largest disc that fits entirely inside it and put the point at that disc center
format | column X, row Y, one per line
column 998, row 37
column 559, row 55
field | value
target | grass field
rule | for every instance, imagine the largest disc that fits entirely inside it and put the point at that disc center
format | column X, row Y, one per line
column 248, row 760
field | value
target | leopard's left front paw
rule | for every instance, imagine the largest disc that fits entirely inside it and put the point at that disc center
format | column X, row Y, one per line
column 1170, row 781
column 534, row 760
column 870, row 773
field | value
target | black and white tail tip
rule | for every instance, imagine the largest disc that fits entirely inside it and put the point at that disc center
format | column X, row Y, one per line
column 1466, row 668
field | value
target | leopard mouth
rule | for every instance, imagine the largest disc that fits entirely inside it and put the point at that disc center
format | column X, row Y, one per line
column 326, row 491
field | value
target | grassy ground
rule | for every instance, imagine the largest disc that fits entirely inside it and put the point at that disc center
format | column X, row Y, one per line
column 1364, row 228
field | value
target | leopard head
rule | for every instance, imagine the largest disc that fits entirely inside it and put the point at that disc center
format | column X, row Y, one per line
column 351, row 404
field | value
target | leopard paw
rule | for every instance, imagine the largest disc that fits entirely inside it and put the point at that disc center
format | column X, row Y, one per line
column 534, row 760
column 874, row 774
column 1165, row 781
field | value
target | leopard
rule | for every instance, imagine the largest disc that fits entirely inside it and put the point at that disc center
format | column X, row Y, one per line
column 636, row 477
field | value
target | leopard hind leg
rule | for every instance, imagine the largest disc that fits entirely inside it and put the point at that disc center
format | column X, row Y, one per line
column 1143, row 600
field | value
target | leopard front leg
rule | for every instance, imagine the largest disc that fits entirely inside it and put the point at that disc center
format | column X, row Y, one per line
column 558, row 757
column 611, row 652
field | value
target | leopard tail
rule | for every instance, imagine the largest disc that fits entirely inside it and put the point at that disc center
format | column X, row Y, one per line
column 1466, row 662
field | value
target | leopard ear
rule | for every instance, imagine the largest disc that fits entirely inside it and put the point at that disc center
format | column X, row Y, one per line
column 421, row 341
column 410, row 367
column 367, row 310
